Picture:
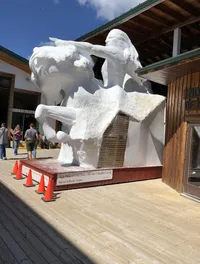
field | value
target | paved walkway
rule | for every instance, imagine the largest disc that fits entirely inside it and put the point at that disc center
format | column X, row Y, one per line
column 133, row 223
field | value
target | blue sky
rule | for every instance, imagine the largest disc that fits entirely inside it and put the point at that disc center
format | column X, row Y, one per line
column 25, row 24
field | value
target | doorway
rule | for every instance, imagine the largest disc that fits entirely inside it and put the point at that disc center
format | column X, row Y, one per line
column 28, row 119
column 24, row 120
column 5, row 85
column 191, row 184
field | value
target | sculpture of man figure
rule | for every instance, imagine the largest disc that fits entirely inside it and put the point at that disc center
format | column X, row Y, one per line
column 120, row 56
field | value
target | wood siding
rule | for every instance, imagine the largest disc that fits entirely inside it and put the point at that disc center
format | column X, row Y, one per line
column 174, row 152
column 193, row 113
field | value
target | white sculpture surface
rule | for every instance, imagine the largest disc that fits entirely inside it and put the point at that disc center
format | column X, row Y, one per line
column 64, row 73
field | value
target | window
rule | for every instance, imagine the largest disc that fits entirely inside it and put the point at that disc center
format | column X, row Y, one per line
column 194, row 157
column 25, row 101
column 5, row 84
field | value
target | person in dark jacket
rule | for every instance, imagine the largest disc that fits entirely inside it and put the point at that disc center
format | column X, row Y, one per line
column 17, row 137
column 3, row 141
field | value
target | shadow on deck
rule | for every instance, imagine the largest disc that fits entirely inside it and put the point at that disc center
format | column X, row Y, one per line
column 25, row 237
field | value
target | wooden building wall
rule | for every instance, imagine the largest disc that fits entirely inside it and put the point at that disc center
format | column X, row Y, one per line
column 174, row 152
column 177, row 117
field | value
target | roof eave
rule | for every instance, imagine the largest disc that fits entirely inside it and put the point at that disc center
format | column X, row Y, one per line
column 170, row 61
column 12, row 54
column 121, row 19
column 14, row 59
column 149, row 72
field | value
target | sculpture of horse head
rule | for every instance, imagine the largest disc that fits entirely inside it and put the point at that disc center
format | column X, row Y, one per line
column 59, row 71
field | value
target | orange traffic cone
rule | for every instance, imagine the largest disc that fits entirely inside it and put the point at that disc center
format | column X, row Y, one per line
column 49, row 192
column 29, row 180
column 41, row 187
column 15, row 169
column 19, row 173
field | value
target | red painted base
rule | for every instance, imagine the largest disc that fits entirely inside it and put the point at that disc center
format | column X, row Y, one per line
column 52, row 168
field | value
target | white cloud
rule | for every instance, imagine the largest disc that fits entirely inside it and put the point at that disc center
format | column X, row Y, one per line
column 56, row 2
column 110, row 9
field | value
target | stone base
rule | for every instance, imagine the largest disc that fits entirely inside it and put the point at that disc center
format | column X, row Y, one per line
column 71, row 177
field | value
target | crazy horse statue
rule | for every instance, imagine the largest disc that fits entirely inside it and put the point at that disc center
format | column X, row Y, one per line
column 93, row 112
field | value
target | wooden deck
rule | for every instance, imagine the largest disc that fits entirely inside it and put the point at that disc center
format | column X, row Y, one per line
column 133, row 223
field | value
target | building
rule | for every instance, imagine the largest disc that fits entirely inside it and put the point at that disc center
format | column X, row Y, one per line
column 19, row 97
column 181, row 163
column 166, row 34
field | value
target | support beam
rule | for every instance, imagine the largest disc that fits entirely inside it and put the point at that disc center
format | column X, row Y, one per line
column 165, row 30
column 177, row 42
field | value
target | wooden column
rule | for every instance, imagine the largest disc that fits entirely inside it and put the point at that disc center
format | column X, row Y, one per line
column 11, row 100
column 174, row 152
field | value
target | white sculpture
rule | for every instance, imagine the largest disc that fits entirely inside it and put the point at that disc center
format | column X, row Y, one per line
column 64, row 73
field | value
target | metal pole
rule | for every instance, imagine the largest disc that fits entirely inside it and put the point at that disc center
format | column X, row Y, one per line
column 23, row 125
column 177, row 42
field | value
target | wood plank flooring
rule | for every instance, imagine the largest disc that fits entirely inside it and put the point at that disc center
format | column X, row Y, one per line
column 134, row 223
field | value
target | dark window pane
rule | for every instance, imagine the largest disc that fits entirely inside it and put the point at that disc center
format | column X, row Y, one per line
column 4, row 98
column 5, row 83
column 194, row 165
column 25, row 101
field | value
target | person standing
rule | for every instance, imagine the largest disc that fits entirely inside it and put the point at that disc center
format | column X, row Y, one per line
column 3, row 141
column 17, row 137
column 31, row 136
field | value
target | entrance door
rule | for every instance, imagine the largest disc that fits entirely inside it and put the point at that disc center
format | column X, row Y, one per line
column 24, row 120
column 28, row 119
column 192, row 172
column 5, row 84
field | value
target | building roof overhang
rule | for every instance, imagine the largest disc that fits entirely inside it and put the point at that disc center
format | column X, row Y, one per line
column 14, row 59
column 150, row 27
column 166, row 71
